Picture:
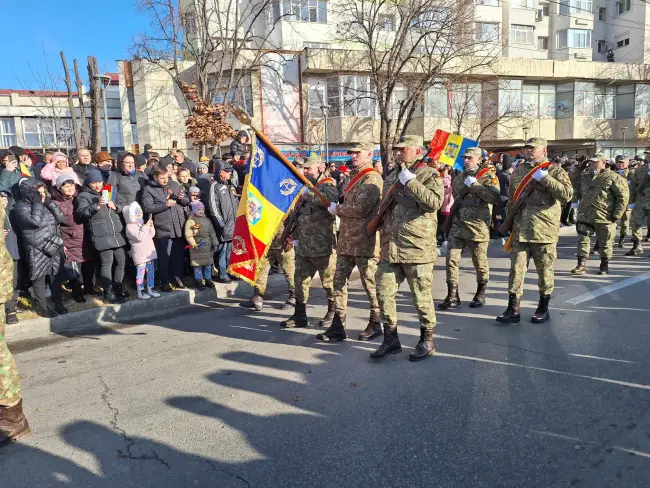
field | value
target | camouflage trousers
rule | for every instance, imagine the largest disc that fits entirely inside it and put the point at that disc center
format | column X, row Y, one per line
column 625, row 222
column 287, row 260
column 306, row 268
column 543, row 255
column 367, row 269
column 9, row 381
column 419, row 278
column 478, row 252
column 639, row 219
column 605, row 234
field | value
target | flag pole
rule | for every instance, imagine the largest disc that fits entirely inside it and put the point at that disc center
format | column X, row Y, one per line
column 244, row 118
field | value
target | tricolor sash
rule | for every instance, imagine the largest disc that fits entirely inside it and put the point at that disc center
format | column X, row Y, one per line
column 357, row 178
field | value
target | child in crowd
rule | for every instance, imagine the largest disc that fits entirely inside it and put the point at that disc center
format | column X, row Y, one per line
column 202, row 240
column 143, row 250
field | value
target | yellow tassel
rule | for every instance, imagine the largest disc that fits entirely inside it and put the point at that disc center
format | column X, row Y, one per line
column 508, row 245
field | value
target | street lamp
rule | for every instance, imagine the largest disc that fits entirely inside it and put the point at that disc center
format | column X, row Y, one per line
column 326, row 111
column 624, row 130
column 105, row 80
column 525, row 129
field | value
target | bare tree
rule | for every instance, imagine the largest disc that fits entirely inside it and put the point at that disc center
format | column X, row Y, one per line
column 95, row 103
column 73, row 114
column 83, row 135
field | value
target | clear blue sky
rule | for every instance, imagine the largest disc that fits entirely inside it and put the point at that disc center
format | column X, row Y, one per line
column 100, row 28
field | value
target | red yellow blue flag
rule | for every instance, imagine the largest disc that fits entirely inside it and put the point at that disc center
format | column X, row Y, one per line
column 449, row 148
column 270, row 191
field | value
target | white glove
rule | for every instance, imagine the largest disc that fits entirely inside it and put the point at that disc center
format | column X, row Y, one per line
column 332, row 208
column 295, row 243
column 631, row 206
column 405, row 176
column 469, row 181
column 574, row 205
column 540, row 174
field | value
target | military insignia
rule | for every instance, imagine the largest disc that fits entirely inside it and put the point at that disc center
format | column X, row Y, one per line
column 451, row 151
column 288, row 186
column 238, row 245
column 258, row 158
column 254, row 213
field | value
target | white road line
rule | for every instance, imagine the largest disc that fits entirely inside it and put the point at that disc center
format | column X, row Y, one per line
column 249, row 328
column 608, row 289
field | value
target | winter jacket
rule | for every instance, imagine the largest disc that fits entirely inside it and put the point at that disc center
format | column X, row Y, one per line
column 80, row 171
column 190, row 165
column 168, row 221
column 201, row 236
column 448, row 199
column 237, row 147
column 129, row 187
column 104, row 224
column 11, row 241
column 75, row 238
column 9, row 182
column 221, row 206
column 50, row 173
column 140, row 236
column 38, row 224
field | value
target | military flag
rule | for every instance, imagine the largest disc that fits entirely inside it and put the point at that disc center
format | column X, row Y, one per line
column 449, row 148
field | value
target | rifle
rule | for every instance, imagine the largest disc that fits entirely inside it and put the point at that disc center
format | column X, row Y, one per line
column 291, row 223
column 509, row 221
column 386, row 204
column 446, row 225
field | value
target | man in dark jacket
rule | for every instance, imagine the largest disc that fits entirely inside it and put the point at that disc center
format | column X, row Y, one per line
column 127, row 180
column 222, row 209
column 83, row 164
column 165, row 199
column 238, row 144
column 104, row 164
column 180, row 159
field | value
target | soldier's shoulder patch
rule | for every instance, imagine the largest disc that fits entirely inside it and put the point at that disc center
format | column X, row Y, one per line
column 328, row 181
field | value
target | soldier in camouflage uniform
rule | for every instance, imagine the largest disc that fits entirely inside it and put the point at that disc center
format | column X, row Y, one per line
column 13, row 423
column 472, row 213
column 622, row 168
column 355, row 247
column 601, row 197
column 535, row 229
column 315, row 243
column 639, row 203
column 408, row 246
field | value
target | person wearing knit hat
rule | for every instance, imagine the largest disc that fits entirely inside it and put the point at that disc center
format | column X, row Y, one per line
column 59, row 166
column 140, row 163
column 93, row 176
column 63, row 179
column 194, row 193
column 204, row 159
column 104, row 164
column 203, row 242
column 202, row 169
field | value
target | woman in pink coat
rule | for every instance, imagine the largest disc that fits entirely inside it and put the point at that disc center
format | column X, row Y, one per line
column 57, row 167
column 448, row 199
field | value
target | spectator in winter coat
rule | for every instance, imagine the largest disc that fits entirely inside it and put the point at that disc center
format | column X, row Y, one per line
column 76, row 241
column 83, row 164
column 238, row 144
column 202, row 169
column 203, row 242
column 143, row 249
column 141, row 165
column 37, row 218
column 25, row 163
column 165, row 199
column 58, row 166
column 104, row 165
column 183, row 162
column 448, row 198
column 10, row 176
column 11, row 241
column 185, row 179
column 100, row 212
column 127, row 181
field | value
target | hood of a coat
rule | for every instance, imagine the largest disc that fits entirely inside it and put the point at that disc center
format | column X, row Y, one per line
column 132, row 213
column 27, row 188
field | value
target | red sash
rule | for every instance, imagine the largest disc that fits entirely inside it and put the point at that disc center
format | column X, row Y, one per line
column 482, row 173
column 332, row 181
column 356, row 179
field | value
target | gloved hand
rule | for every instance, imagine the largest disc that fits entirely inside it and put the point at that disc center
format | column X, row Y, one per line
column 504, row 198
column 574, row 205
column 540, row 174
column 332, row 208
column 631, row 206
column 405, row 176
column 295, row 243
column 469, row 181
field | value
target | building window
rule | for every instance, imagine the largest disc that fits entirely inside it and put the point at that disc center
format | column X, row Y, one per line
column 493, row 3
column 542, row 43
column 317, row 45
column 437, row 101
column 351, row 96
column 521, row 34
column 576, row 7
column 7, row 132
column 622, row 6
column 542, row 10
column 466, row 100
column 317, row 94
column 397, row 98
column 623, row 43
column 605, row 102
column 642, row 101
column 486, row 31
column 115, row 132
column 574, row 38
column 48, row 132
column 564, row 100
column 298, row 10
column 538, row 100
column 584, row 99
column 625, row 101
column 521, row 3
column 510, row 97
column 241, row 95
column 386, row 22
column 602, row 46
column 602, row 14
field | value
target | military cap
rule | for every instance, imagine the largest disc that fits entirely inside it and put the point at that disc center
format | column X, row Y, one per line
column 408, row 141
column 312, row 160
column 536, row 142
column 473, row 151
column 622, row 158
column 598, row 157
column 362, row 146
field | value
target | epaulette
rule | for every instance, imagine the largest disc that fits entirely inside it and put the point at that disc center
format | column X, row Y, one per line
column 331, row 181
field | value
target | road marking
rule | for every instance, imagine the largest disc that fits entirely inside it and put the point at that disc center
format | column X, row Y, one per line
column 587, row 356
column 608, row 289
column 250, row 328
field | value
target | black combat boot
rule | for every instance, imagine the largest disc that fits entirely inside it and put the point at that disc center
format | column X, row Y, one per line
column 391, row 344
column 111, row 297
column 77, row 293
column 10, row 311
column 636, row 248
column 541, row 314
column 511, row 315
column 329, row 316
column 425, row 347
column 336, row 331
column 595, row 249
column 581, row 268
column 621, row 241
column 120, row 292
column 291, row 300
column 479, row 299
column 198, row 284
column 60, row 309
column 604, row 266
column 373, row 329
column 452, row 300
column 13, row 424
column 299, row 317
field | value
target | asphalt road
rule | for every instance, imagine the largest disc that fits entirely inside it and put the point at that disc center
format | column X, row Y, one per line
column 217, row 396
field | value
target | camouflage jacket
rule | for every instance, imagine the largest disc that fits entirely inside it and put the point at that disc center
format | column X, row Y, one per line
column 603, row 197
column 357, row 210
column 538, row 220
column 6, row 267
column 640, row 187
column 315, row 226
column 408, row 233
column 472, row 219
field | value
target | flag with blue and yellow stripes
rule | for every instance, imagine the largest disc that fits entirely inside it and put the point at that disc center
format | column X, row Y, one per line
column 270, row 191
